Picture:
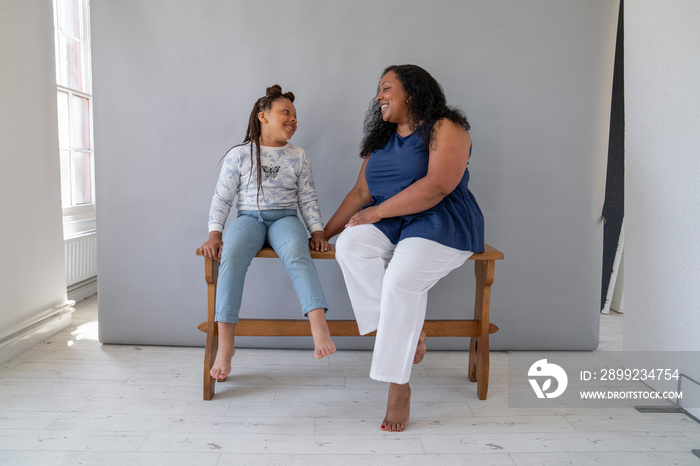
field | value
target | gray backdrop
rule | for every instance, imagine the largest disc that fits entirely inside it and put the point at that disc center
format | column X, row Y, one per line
column 174, row 82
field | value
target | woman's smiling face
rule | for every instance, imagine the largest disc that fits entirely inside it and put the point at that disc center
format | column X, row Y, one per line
column 392, row 98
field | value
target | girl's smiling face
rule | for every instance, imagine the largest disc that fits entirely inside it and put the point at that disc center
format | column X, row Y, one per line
column 278, row 124
column 392, row 99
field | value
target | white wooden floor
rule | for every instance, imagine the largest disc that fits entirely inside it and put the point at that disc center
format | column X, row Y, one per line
column 73, row 401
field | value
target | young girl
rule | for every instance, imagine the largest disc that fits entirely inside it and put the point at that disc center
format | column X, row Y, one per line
column 271, row 179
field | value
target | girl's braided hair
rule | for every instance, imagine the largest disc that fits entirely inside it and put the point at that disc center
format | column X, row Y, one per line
column 254, row 131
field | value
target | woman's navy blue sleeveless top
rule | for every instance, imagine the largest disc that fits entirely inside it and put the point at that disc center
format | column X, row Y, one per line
column 456, row 221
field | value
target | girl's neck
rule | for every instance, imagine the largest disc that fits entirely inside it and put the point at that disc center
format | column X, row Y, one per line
column 269, row 142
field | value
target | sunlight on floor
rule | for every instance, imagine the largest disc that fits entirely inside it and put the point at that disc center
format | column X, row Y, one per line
column 86, row 331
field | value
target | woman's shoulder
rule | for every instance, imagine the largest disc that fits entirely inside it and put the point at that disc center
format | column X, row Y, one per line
column 444, row 128
column 446, row 124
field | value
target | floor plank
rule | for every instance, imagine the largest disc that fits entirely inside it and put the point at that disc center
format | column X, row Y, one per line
column 71, row 400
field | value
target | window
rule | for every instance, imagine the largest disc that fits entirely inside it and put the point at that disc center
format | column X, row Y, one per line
column 74, row 96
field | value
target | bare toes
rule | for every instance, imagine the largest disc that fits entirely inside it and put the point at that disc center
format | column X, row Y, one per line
column 392, row 426
column 421, row 349
column 323, row 352
column 420, row 353
column 218, row 374
column 397, row 409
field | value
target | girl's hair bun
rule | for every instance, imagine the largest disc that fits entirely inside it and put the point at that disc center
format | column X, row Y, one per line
column 275, row 92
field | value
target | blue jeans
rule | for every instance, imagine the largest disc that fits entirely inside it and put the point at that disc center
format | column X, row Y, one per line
column 244, row 237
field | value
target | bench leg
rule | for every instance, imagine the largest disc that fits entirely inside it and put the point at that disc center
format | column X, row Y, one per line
column 472, row 359
column 211, row 272
column 210, row 349
column 479, row 346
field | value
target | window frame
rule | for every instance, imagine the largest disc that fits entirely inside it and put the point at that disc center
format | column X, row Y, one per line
column 77, row 219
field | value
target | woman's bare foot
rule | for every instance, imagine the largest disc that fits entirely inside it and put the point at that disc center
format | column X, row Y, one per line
column 222, row 364
column 421, row 349
column 397, row 408
column 323, row 344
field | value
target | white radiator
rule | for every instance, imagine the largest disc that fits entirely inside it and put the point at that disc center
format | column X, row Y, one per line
column 81, row 258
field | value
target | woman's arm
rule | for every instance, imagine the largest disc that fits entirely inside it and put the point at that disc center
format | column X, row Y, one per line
column 449, row 154
column 357, row 197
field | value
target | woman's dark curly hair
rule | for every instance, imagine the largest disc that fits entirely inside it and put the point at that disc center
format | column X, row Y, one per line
column 426, row 104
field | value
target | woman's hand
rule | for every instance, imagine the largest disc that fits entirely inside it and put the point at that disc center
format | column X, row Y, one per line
column 211, row 249
column 318, row 242
column 368, row 215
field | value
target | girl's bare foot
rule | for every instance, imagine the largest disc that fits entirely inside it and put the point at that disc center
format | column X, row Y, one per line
column 421, row 349
column 397, row 408
column 323, row 344
column 222, row 364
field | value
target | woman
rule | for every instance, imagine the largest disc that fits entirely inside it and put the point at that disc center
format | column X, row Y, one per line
column 408, row 221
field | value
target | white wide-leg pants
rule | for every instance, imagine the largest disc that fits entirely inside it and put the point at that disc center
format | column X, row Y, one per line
column 388, row 286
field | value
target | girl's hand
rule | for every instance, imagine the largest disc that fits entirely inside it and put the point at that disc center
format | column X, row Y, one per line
column 212, row 248
column 368, row 215
column 318, row 241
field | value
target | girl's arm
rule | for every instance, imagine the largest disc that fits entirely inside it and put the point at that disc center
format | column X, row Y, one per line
column 211, row 249
column 358, row 196
column 449, row 154
column 306, row 195
column 221, row 203
column 308, row 206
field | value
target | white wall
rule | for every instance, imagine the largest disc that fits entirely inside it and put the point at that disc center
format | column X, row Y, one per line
column 662, row 173
column 32, row 275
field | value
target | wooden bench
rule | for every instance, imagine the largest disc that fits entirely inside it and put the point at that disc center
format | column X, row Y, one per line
column 478, row 328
